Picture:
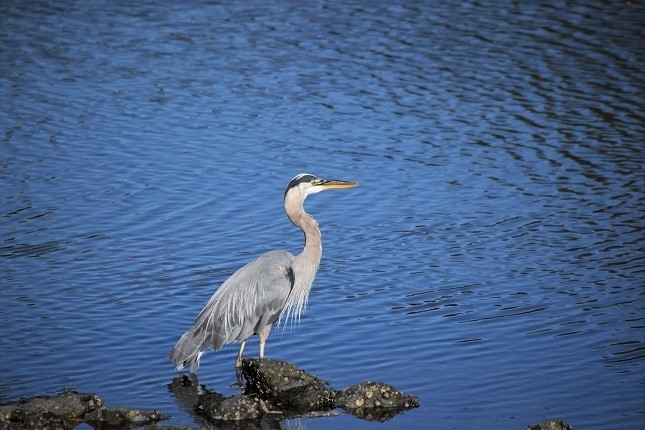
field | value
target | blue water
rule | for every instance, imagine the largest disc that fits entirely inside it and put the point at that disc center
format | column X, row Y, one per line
column 491, row 261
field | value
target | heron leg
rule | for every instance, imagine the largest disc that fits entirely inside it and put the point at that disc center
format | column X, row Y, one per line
column 238, row 366
column 238, row 361
column 264, row 333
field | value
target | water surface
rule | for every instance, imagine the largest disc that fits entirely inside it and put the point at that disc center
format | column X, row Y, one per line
column 491, row 261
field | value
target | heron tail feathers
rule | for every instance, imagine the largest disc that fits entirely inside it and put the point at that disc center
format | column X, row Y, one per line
column 188, row 350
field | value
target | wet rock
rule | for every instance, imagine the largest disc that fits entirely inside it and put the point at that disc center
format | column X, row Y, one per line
column 195, row 399
column 374, row 401
column 374, row 395
column 19, row 420
column 274, row 390
column 551, row 425
column 234, row 408
column 287, row 387
column 123, row 416
column 163, row 427
column 49, row 411
column 69, row 409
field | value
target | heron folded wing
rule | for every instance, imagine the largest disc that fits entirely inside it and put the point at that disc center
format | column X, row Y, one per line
column 250, row 299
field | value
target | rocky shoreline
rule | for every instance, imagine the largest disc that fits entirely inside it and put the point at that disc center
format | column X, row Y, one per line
column 69, row 409
column 274, row 390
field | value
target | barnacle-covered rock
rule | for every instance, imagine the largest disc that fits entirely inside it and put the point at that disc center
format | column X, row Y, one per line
column 288, row 387
column 48, row 411
column 374, row 401
column 123, row 416
column 67, row 410
column 234, row 408
column 551, row 425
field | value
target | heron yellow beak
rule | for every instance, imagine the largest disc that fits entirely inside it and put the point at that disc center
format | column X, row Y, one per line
column 327, row 184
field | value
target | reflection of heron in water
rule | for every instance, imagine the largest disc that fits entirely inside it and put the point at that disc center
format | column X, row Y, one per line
column 254, row 297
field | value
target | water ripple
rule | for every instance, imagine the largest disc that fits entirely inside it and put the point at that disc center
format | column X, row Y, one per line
column 495, row 240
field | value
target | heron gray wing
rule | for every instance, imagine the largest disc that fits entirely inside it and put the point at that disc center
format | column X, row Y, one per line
column 250, row 299
column 257, row 292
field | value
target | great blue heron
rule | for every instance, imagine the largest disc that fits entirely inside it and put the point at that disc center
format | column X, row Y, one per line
column 275, row 284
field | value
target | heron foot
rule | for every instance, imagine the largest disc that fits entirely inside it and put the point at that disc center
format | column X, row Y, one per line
column 237, row 384
column 238, row 373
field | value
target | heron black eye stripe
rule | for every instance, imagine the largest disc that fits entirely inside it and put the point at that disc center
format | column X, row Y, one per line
column 301, row 178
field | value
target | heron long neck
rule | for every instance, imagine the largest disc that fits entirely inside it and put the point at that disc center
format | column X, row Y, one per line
column 306, row 263
column 312, row 252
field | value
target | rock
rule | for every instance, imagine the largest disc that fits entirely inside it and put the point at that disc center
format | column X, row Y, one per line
column 123, row 416
column 274, row 390
column 69, row 409
column 188, row 393
column 49, row 411
column 163, row 427
column 287, row 387
column 374, row 401
column 194, row 398
column 551, row 425
column 234, row 408
column 19, row 420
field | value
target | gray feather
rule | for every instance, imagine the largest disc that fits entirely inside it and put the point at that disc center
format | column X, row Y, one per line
column 252, row 298
column 274, row 286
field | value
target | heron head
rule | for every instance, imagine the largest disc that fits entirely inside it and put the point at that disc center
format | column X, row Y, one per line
column 305, row 184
